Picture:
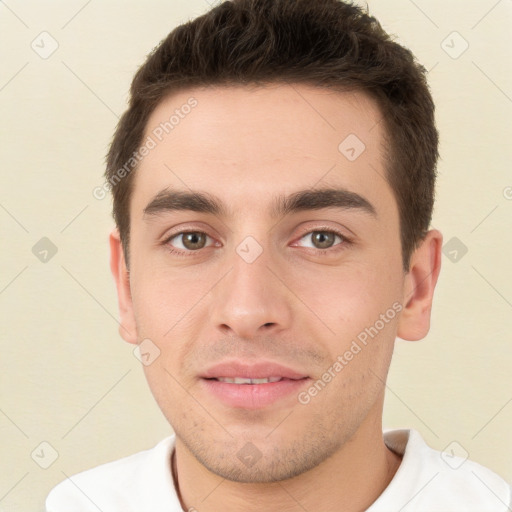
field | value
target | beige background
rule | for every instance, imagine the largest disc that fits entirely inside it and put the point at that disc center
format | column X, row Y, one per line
column 66, row 377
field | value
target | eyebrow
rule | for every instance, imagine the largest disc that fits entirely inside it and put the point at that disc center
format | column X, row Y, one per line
column 169, row 200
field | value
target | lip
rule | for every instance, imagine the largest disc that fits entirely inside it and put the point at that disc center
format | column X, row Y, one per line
column 259, row 370
column 252, row 396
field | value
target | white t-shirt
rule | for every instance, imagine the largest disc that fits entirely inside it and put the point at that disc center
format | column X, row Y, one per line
column 426, row 481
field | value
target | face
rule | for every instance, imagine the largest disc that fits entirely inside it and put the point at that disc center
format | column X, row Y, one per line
column 265, row 244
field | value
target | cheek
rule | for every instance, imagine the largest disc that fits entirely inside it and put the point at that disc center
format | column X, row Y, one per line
column 155, row 308
column 352, row 294
column 164, row 298
column 358, row 308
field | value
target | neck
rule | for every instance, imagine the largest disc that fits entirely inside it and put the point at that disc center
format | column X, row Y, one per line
column 351, row 480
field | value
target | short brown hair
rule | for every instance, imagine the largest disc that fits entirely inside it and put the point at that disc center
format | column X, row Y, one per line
column 325, row 43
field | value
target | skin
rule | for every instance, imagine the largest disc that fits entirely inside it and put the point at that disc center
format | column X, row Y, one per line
column 295, row 304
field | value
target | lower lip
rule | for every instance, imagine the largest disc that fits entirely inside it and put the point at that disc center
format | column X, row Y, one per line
column 253, row 396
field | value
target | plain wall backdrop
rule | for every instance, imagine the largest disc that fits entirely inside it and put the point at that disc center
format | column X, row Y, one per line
column 67, row 380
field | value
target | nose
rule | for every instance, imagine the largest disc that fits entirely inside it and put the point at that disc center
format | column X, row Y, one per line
column 251, row 300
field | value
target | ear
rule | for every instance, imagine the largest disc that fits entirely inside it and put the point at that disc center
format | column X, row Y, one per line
column 127, row 326
column 419, row 285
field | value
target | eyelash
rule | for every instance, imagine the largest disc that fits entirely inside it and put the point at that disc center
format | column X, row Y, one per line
column 331, row 250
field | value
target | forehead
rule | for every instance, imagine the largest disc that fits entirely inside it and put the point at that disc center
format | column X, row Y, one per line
column 246, row 144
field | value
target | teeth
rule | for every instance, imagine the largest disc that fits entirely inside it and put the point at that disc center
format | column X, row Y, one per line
column 265, row 381
column 243, row 380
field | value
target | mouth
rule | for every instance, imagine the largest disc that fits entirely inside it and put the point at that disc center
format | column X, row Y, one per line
column 252, row 386
column 244, row 380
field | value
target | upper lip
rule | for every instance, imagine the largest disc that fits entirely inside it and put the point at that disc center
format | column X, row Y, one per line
column 258, row 370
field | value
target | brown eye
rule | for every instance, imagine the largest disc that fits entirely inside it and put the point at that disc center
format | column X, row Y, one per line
column 194, row 240
column 189, row 240
column 323, row 239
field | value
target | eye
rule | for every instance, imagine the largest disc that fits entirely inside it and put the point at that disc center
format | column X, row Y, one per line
column 322, row 239
column 189, row 240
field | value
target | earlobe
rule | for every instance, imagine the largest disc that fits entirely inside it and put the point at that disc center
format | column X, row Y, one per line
column 419, row 286
column 127, row 326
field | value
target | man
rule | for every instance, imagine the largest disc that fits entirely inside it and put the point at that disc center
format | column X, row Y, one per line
column 273, row 183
